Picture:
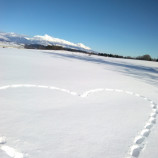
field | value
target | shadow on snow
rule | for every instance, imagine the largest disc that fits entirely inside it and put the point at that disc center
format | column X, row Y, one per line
column 147, row 74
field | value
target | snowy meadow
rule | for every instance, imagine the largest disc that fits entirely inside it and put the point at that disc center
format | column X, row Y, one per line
column 61, row 104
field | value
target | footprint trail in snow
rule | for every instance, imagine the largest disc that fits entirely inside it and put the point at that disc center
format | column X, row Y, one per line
column 138, row 142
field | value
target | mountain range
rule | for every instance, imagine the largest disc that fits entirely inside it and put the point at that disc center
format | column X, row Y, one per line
column 21, row 40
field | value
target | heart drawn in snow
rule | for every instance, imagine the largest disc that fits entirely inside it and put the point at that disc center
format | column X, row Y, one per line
column 51, row 123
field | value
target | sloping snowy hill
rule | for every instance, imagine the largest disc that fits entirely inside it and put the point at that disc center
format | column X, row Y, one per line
column 69, row 105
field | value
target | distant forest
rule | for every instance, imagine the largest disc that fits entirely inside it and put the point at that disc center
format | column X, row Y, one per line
column 143, row 57
column 55, row 47
column 51, row 47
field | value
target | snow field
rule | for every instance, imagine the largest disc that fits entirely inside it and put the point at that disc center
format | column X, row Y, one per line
column 138, row 142
column 40, row 120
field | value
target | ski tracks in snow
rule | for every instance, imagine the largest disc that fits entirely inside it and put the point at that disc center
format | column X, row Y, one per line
column 138, row 142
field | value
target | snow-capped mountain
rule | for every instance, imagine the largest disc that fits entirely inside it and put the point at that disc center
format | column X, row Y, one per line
column 45, row 40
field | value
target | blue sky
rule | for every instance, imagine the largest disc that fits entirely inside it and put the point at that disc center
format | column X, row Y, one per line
column 125, row 27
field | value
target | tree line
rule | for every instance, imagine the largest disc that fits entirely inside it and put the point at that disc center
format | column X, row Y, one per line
column 51, row 47
column 56, row 47
column 146, row 57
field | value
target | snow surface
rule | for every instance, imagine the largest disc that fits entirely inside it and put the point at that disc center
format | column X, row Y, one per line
column 10, row 45
column 70, row 105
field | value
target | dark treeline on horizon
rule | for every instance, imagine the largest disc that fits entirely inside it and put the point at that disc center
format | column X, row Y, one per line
column 51, row 47
column 146, row 57
column 143, row 57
